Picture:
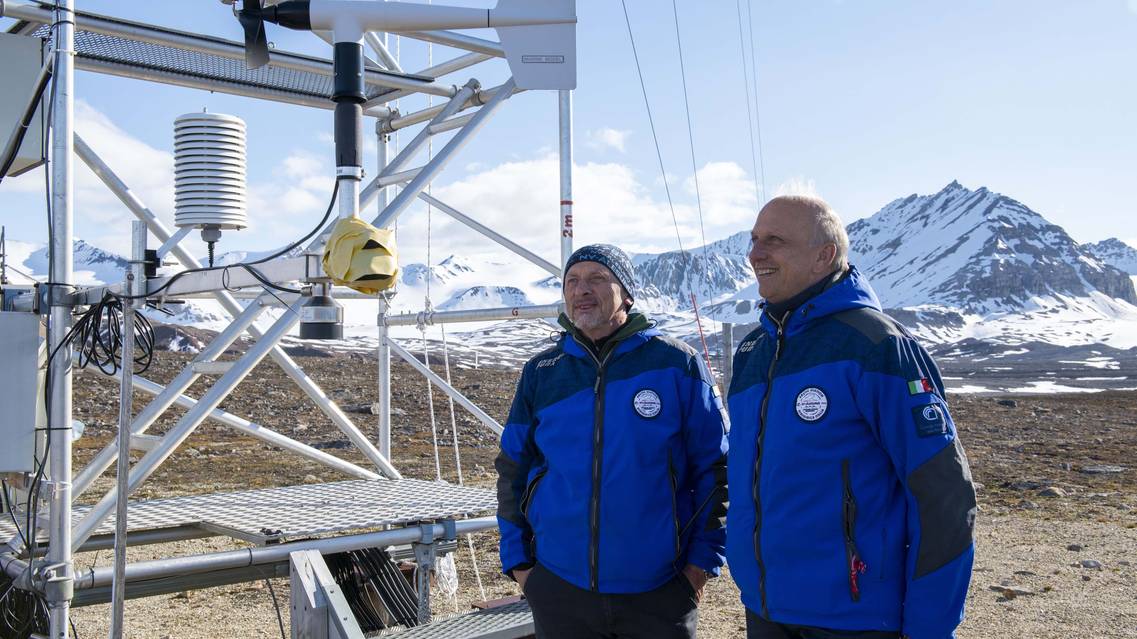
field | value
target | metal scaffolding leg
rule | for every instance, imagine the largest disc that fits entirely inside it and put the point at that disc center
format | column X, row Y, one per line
column 58, row 574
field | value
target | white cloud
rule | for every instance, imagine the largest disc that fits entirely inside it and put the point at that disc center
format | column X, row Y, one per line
column 149, row 173
column 727, row 192
column 606, row 138
column 611, row 204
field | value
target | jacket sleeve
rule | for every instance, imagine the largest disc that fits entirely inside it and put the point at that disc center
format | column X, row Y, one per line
column 705, row 432
column 513, row 463
column 903, row 399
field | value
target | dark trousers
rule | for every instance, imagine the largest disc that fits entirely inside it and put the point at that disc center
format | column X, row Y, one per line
column 563, row 611
column 759, row 628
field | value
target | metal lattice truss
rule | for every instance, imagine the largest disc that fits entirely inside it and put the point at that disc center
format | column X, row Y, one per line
column 114, row 46
column 123, row 48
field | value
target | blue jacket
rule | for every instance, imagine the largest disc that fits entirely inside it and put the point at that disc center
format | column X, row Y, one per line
column 612, row 470
column 851, row 502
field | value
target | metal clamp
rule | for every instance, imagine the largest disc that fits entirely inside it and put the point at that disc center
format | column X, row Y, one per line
column 53, row 294
column 56, row 582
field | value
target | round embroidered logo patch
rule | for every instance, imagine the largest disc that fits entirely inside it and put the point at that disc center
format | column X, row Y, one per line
column 811, row 404
column 647, row 403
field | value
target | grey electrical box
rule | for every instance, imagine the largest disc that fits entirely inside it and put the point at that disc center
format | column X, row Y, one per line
column 21, row 402
column 22, row 59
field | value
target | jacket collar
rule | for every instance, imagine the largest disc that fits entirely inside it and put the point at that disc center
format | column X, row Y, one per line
column 851, row 291
column 632, row 334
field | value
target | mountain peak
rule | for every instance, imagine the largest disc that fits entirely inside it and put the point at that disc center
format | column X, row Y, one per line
column 1115, row 253
column 977, row 250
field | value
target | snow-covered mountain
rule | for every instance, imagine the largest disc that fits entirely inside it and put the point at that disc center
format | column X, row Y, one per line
column 1116, row 253
column 667, row 280
column 978, row 251
column 956, row 265
column 92, row 265
column 486, row 297
column 962, row 264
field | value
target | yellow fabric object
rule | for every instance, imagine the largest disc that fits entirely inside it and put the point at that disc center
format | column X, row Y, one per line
column 361, row 256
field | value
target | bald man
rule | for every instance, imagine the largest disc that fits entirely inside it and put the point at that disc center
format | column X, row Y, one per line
column 852, row 509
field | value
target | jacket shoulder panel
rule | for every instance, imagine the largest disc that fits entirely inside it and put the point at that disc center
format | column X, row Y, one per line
column 874, row 325
column 553, row 375
column 658, row 353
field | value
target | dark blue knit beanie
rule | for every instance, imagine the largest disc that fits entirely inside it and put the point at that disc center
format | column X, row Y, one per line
column 610, row 256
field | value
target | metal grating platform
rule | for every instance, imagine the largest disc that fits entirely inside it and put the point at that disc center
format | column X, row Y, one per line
column 301, row 511
column 511, row 621
column 120, row 47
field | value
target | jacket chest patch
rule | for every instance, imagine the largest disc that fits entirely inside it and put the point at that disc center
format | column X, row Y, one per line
column 811, row 404
column 647, row 403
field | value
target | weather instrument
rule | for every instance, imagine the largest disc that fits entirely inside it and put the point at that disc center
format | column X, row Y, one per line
column 538, row 37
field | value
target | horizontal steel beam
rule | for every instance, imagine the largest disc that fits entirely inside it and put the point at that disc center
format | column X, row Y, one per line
column 182, row 583
column 474, row 315
column 304, row 268
column 459, row 41
column 198, row 564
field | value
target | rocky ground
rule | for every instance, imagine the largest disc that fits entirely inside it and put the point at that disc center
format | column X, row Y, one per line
column 1058, row 497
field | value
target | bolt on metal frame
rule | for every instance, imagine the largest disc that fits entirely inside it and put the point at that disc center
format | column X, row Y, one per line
column 56, row 576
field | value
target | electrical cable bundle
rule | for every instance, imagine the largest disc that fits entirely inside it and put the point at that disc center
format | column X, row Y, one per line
column 97, row 337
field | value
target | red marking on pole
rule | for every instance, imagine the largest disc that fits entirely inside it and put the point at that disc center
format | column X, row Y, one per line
column 699, row 323
column 566, row 202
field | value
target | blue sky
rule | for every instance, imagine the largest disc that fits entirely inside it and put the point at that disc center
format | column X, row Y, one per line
column 865, row 101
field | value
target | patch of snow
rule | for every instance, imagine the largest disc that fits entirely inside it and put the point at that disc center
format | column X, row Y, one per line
column 1049, row 386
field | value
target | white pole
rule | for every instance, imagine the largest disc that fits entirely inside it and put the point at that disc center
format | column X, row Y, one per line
column 564, row 104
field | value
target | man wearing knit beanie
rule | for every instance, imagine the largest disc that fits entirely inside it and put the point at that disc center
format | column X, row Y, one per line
column 611, row 476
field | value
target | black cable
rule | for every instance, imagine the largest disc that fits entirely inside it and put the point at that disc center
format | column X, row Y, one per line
column 276, row 605
column 248, row 266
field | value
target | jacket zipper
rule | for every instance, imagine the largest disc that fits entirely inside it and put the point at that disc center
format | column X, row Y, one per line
column 530, row 491
column 597, row 457
column 758, row 468
column 849, row 518
column 674, row 507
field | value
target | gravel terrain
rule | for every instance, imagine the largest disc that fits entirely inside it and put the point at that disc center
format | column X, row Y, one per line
column 1058, row 498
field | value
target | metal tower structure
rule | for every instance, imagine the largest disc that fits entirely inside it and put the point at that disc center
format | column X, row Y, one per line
column 426, row 515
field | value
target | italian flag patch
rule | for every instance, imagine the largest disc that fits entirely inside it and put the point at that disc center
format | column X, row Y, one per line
column 919, row 386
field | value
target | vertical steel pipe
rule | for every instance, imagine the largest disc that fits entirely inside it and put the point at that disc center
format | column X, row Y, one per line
column 60, row 557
